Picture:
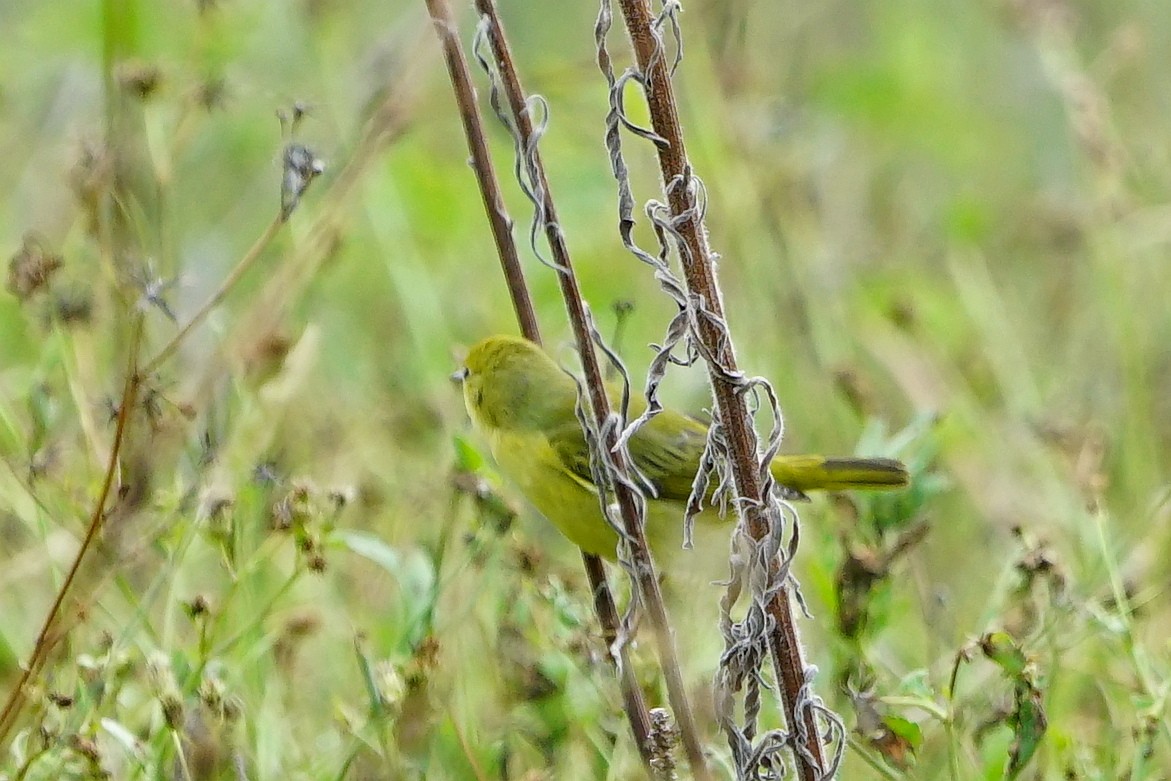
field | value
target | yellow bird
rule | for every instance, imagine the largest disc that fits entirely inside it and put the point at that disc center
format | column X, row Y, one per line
column 522, row 402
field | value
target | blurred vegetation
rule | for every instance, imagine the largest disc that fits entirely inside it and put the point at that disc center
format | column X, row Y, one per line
column 944, row 229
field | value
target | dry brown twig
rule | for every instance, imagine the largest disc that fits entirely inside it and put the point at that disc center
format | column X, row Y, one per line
column 759, row 565
column 490, row 193
column 501, row 226
column 49, row 635
column 611, row 463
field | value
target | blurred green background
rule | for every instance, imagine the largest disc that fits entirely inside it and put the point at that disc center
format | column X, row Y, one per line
column 946, row 219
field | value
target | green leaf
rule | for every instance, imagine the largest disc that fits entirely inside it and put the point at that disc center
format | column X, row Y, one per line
column 1029, row 723
column 917, row 683
column 367, row 671
column 907, row 730
column 413, row 570
column 467, row 456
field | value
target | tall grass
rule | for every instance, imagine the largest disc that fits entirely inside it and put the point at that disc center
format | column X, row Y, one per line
column 943, row 226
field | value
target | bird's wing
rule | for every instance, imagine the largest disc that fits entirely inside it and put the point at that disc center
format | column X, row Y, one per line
column 569, row 444
column 666, row 450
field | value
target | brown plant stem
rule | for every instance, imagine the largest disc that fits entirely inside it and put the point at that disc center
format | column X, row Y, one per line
column 700, row 275
column 498, row 219
column 642, row 566
column 634, row 703
column 47, row 638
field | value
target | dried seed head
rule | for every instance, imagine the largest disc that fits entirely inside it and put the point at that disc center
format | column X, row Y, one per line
column 663, row 739
column 153, row 289
column 87, row 747
column 172, row 709
column 162, row 680
column 214, row 505
column 61, row 700
column 232, row 708
column 212, row 692
column 31, row 268
column 199, row 606
column 212, row 94
column 74, row 306
column 301, row 167
column 90, row 180
column 159, row 672
column 341, row 497
column 426, row 658
column 141, row 79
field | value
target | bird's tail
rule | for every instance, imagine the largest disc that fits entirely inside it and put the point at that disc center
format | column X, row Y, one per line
column 816, row 473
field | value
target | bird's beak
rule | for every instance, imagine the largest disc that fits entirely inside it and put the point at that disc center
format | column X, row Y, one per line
column 460, row 375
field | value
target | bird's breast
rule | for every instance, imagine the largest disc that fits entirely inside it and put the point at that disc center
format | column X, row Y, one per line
column 564, row 499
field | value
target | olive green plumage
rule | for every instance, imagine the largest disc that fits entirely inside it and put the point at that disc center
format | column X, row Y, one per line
column 523, row 403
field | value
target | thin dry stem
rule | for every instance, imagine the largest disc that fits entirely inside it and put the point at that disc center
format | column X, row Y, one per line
column 628, row 499
column 498, row 219
column 47, row 638
column 501, row 224
column 716, row 346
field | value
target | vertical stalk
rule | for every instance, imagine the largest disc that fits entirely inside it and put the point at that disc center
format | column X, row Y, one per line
column 501, row 225
column 49, row 635
column 699, row 272
column 642, row 567
column 498, row 219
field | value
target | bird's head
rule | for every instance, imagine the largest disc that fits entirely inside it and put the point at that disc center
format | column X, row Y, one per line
column 510, row 383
